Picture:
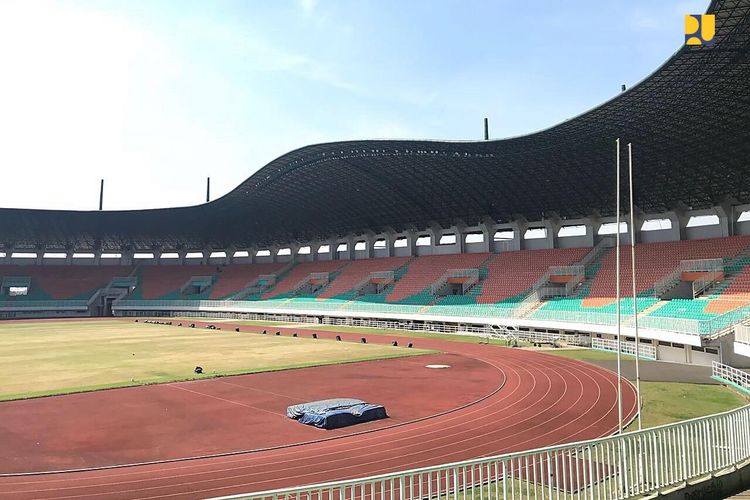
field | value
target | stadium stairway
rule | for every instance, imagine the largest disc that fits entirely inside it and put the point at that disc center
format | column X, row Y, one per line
column 355, row 272
column 287, row 285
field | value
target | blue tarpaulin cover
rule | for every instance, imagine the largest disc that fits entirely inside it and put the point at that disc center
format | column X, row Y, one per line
column 325, row 405
column 343, row 417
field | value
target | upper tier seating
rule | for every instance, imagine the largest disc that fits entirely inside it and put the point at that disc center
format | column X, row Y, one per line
column 513, row 273
column 357, row 271
column 424, row 271
column 655, row 261
column 61, row 282
column 299, row 272
column 164, row 282
column 232, row 279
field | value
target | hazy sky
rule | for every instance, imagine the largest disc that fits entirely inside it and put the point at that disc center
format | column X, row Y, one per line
column 154, row 96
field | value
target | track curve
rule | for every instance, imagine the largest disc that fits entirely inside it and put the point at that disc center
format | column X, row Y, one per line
column 545, row 400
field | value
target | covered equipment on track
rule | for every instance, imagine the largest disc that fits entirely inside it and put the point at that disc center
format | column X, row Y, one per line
column 335, row 413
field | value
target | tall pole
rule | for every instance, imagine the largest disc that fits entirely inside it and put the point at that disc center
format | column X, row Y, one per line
column 486, row 129
column 208, row 189
column 101, row 194
column 635, row 300
column 617, row 284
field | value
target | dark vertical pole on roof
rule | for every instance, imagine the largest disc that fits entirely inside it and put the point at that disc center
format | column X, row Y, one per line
column 624, row 88
column 208, row 189
column 101, row 194
column 486, row 129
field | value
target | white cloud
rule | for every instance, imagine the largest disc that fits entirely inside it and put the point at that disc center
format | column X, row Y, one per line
column 308, row 6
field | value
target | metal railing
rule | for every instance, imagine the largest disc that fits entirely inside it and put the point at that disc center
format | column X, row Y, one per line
column 594, row 253
column 731, row 375
column 471, row 275
column 626, row 465
column 667, row 282
column 742, row 333
column 44, row 305
column 645, row 351
column 573, row 270
column 702, row 265
column 702, row 284
column 713, row 327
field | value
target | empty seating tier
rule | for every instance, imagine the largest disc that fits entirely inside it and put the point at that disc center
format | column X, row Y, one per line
column 164, row 282
column 301, row 271
column 513, row 273
column 233, row 279
column 358, row 271
column 424, row 271
column 655, row 261
column 65, row 282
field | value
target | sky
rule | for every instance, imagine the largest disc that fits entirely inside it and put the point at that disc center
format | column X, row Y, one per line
column 154, row 96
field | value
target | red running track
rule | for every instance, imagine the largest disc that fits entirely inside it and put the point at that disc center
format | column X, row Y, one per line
column 544, row 400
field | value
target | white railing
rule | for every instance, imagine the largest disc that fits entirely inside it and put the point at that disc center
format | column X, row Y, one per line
column 382, row 277
column 626, row 465
column 645, row 351
column 667, row 282
column 702, row 265
column 742, row 333
column 44, row 305
column 471, row 275
column 711, row 328
column 711, row 279
column 542, row 290
column 595, row 252
column 731, row 375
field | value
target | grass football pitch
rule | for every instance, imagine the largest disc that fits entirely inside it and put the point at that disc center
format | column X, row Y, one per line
column 57, row 357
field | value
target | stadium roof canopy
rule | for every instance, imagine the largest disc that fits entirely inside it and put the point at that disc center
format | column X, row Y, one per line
column 689, row 123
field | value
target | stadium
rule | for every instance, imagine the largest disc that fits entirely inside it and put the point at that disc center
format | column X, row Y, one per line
column 522, row 331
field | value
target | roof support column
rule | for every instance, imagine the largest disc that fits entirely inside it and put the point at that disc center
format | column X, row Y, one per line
column 519, row 227
column 206, row 255
column 229, row 259
column 349, row 253
column 158, row 250
column 126, row 257
column 553, row 228
column 724, row 221
column 369, row 251
column 390, row 240
column 487, row 227
column 461, row 236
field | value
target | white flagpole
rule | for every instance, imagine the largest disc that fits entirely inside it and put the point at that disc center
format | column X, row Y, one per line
column 635, row 301
column 617, row 283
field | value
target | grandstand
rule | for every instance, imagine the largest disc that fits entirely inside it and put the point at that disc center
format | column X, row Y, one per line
column 447, row 233
column 508, row 239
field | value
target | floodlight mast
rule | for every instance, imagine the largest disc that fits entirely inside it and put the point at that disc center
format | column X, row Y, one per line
column 486, row 129
column 635, row 300
column 101, row 194
column 617, row 293
column 208, row 189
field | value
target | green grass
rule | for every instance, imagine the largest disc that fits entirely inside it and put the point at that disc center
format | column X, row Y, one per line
column 667, row 402
column 44, row 358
